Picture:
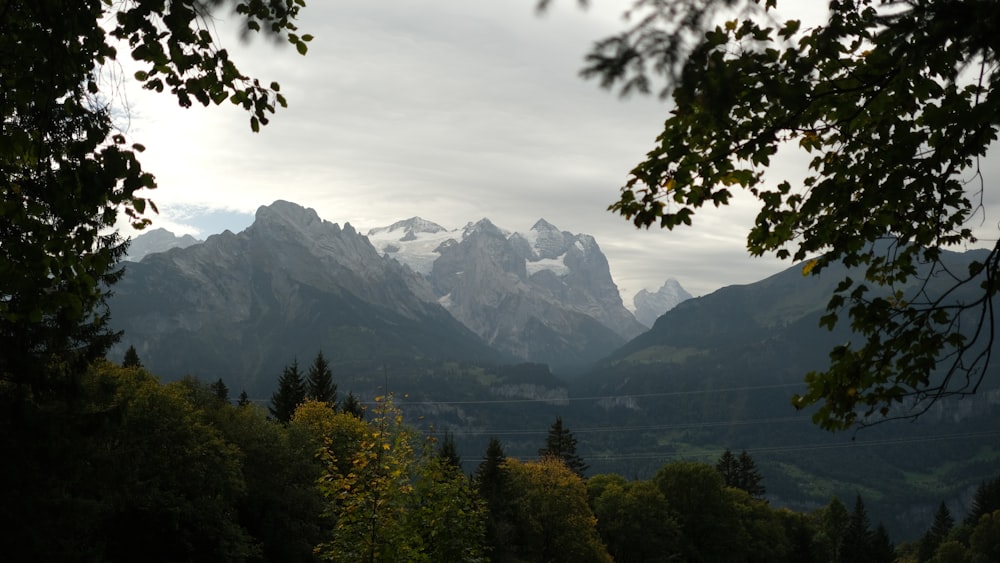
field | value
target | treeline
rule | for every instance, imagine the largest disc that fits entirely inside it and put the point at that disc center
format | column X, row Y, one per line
column 125, row 468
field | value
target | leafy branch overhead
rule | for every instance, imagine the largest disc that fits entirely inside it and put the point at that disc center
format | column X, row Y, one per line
column 68, row 172
column 893, row 105
column 182, row 53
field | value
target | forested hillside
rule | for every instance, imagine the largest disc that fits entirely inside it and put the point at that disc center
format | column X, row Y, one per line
column 183, row 472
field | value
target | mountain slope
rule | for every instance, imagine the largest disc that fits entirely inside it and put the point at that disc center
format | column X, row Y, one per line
column 241, row 306
column 719, row 371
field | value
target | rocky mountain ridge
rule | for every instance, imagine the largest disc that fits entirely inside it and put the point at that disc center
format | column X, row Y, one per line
column 544, row 296
column 241, row 306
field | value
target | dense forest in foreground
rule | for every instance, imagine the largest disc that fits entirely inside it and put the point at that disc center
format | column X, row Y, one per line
column 124, row 467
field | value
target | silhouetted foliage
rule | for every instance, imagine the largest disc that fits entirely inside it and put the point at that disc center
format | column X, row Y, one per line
column 561, row 444
column 352, row 406
column 290, row 394
column 131, row 358
column 319, row 382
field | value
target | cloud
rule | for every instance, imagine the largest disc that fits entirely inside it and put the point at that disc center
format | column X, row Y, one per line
column 450, row 110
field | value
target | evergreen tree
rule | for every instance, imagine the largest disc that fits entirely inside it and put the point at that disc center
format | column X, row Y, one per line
column 882, row 549
column 728, row 467
column 986, row 500
column 933, row 538
column 220, row 391
column 320, row 385
column 490, row 480
column 448, row 452
column 750, row 480
column 290, row 394
column 858, row 537
column 741, row 473
column 244, row 399
column 561, row 444
column 353, row 406
column 131, row 359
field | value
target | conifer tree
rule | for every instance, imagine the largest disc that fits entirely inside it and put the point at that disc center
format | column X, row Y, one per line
column 728, row 467
column 244, row 399
column 352, row 406
column 290, row 394
column 741, row 473
column 882, row 550
column 985, row 501
column 750, row 480
column 934, row 537
column 220, row 390
column 858, row 537
column 131, row 359
column 561, row 444
column 320, row 385
column 490, row 480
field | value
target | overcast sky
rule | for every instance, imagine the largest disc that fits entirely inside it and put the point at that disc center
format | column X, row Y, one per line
column 451, row 110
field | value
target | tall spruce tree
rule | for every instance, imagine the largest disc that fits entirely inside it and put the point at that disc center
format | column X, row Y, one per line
column 131, row 359
column 320, row 385
column 290, row 394
column 985, row 501
column 561, row 444
column 750, row 479
column 858, row 537
column 220, row 390
column 243, row 400
column 937, row 534
column 882, row 549
column 741, row 473
column 352, row 406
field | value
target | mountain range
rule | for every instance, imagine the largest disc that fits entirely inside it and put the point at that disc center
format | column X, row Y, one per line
column 545, row 296
column 468, row 324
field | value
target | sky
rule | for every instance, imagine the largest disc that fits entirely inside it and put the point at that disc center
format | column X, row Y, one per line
column 449, row 110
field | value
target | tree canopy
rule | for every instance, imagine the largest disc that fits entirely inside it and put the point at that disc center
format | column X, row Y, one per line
column 893, row 105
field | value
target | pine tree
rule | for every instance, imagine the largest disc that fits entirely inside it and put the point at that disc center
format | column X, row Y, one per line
column 882, row 549
column 986, row 500
column 858, row 537
column 352, row 406
column 490, row 480
column 750, row 480
column 131, row 359
column 244, row 399
column 290, row 394
column 740, row 473
column 220, row 391
column 448, row 452
column 320, row 385
column 728, row 467
column 561, row 444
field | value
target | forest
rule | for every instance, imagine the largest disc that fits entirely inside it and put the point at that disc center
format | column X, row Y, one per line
column 127, row 467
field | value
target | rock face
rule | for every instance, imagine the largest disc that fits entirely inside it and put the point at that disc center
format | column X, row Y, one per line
column 156, row 240
column 241, row 306
column 651, row 306
column 543, row 296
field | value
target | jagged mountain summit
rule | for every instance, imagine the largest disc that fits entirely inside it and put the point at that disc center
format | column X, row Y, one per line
column 651, row 306
column 156, row 240
column 241, row 306
column 544, row 296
